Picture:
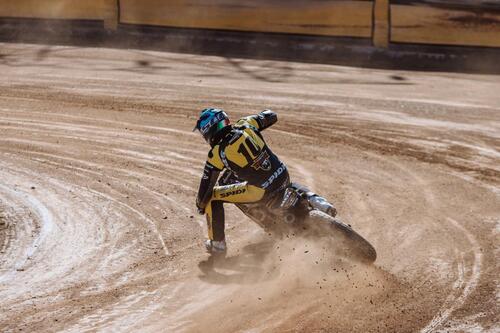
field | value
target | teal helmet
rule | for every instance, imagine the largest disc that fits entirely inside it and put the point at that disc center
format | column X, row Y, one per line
column 211, row 122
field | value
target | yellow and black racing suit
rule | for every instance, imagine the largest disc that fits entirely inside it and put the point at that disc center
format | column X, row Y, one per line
column 241, row 149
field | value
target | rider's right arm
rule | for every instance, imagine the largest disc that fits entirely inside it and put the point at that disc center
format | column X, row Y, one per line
column 260, row 121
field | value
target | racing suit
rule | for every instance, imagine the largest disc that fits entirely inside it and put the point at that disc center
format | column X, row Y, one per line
column 241, row 149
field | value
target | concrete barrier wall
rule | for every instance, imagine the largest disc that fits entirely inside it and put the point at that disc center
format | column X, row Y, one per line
column 456, row 22
column 313, row 17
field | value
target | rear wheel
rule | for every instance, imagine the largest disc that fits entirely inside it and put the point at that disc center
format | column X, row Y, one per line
column 355, row 245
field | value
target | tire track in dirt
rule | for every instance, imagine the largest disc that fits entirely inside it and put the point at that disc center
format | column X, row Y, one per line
column 85, row 170
column 462, row 286
column 45, row 221
column 465, row 285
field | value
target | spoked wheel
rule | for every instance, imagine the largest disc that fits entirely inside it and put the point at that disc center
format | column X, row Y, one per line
column 357, row 247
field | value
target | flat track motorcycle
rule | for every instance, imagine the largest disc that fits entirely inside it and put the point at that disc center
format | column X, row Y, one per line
column 297, row 211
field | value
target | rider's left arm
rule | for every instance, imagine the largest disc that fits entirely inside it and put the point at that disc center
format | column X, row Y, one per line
column 207, row 183
column 213, row 167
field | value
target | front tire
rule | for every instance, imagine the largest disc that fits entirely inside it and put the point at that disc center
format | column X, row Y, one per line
column 355, row 244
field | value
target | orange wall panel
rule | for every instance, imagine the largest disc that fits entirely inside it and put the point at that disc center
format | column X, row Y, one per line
column 313, row 17
column 446, row 26
column 56, row 9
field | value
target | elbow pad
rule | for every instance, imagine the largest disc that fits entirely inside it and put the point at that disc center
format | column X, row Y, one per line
column 266, row 119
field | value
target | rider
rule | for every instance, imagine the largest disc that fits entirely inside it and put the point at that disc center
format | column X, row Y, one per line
column 241, row 149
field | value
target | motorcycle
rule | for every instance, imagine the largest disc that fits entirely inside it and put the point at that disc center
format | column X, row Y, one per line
column 297, row 211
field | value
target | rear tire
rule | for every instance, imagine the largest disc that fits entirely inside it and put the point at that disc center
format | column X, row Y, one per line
column 356, row 245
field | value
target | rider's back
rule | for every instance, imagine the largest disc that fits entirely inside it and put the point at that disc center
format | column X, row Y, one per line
column 244, row 151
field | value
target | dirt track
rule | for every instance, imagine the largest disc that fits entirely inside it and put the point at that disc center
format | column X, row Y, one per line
column 99, row 170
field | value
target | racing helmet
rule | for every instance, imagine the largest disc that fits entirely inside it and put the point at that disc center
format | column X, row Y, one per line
column 211, row 121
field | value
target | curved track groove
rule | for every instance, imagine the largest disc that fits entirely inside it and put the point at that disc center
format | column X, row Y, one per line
column 465, row 285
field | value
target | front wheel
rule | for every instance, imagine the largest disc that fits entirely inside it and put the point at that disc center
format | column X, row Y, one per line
column 355, row 244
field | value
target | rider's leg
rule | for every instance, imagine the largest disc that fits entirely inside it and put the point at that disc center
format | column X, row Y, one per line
column 236, row 193
column 215, row 220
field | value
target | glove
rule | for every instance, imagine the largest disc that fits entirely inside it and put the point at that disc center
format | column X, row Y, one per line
column 201, row 210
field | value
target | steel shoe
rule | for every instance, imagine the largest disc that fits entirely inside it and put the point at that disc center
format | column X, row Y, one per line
column 215, row 247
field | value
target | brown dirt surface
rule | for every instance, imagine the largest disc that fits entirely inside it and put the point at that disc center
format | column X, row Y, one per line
column 99, row 170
